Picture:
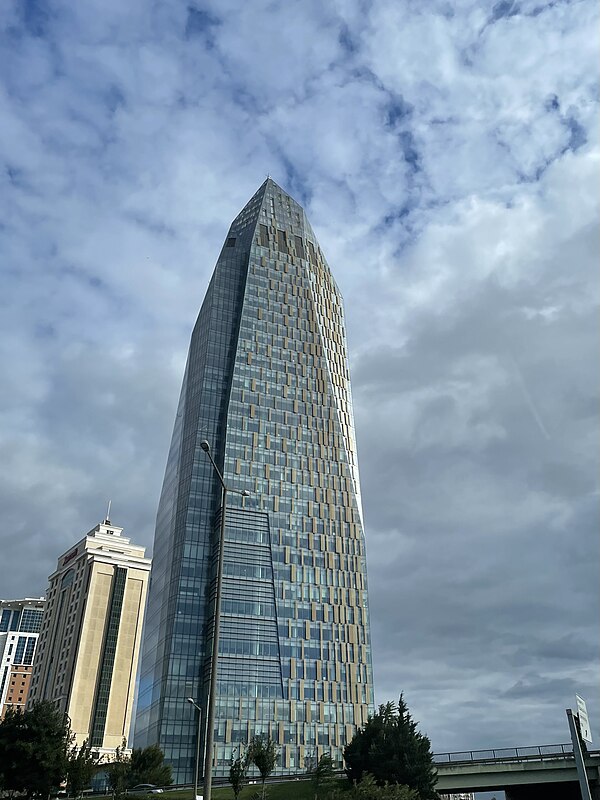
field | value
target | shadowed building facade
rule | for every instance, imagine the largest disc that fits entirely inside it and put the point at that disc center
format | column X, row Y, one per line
column 267, row 384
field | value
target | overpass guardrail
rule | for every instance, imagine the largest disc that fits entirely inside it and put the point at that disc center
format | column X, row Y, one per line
column 536, row 752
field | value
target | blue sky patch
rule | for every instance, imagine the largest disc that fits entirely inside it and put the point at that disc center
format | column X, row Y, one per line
column 200, row 23
column 35, row 16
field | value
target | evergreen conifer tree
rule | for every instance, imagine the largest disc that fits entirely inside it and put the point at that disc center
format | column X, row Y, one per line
column 34, row 750
column 392, row 750
column 323, row 774
column 147, row 765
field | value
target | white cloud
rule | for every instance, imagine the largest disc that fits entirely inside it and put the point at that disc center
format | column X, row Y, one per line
column 449, row 165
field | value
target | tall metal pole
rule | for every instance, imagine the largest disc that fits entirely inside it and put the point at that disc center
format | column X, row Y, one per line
column 198, row 737
column 579, row 763
column 215, row 650
column 212, row 694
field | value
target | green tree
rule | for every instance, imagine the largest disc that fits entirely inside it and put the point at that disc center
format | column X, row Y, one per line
column 33, row 750
column 391, row 748
column 322, row 774
column 263, row 753
column 117, row 771
column 238, row 772
column 368, row 789
column 82, row 763
column 147, row 765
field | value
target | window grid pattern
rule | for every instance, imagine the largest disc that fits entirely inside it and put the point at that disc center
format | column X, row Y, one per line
column 29, row 651
column 3, row 684
column 107, row 662
column 249, row 658
column 31, row 621
column 267, row 384
column 291, row 442
column 20, row 650
column 176, row 639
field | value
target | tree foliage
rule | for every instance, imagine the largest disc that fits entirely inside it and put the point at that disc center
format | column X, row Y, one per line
column 33, row 750
column 147, row 765
column 322, row 774
column 118, row 770
column 82, row 763
column 37, row 753
column 392, row 750
column 263, row 753
column 238, row 772
column 368, row 789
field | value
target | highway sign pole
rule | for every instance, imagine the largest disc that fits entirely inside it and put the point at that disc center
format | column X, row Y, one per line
column 577, row 752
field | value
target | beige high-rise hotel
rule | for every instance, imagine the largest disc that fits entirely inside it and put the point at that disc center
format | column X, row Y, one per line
column 89, row 642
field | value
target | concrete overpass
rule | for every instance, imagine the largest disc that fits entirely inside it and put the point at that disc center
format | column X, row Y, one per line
column 524, row 773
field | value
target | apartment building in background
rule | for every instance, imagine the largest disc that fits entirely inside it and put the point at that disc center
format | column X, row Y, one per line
column 90, row 635
column 20, row 624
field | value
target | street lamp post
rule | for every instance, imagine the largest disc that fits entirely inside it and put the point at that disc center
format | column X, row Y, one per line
column 212, row 694
column 197, row 767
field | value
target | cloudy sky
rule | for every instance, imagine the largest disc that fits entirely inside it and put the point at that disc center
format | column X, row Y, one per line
column 447, row 155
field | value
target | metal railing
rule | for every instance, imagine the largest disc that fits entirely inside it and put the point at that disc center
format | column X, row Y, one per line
column 537, row 752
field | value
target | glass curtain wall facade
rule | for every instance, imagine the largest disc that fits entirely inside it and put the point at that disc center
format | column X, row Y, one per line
column 267, row 384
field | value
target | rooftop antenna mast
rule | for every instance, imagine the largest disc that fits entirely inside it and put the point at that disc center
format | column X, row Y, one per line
column 108, row 512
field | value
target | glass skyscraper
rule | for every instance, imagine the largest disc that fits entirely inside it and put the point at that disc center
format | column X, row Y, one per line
column 267, row 384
